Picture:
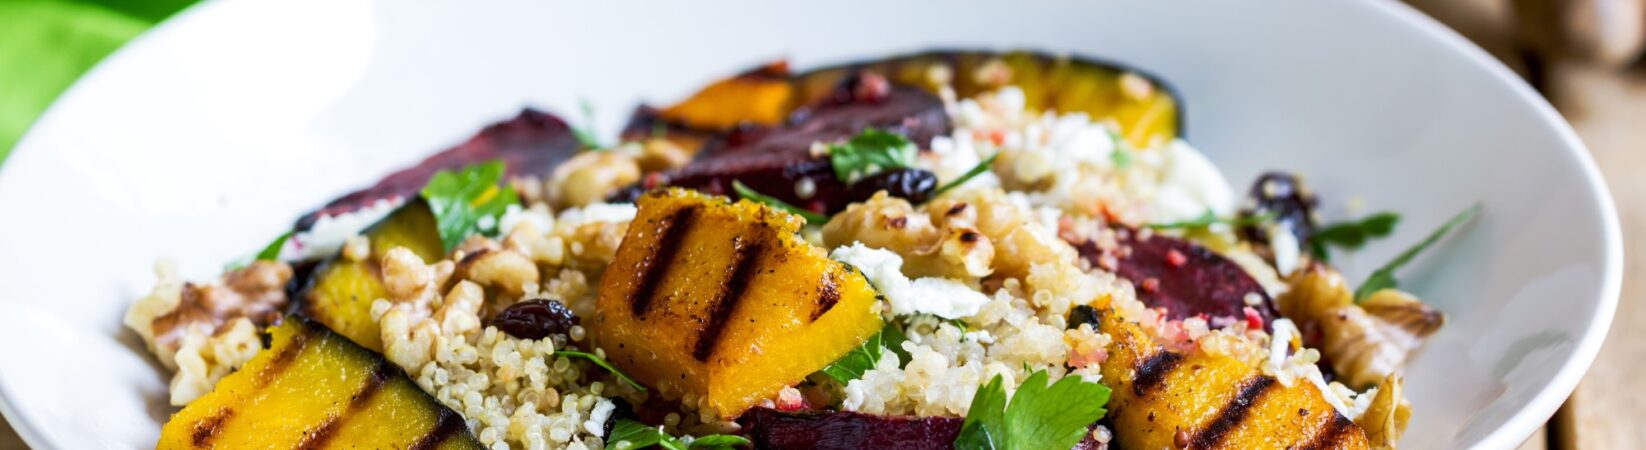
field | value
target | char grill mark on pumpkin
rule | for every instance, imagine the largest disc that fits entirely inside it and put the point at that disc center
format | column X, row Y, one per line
column 1152, row 371
column 1233, row 413
column 744, row 267
column 671, row 231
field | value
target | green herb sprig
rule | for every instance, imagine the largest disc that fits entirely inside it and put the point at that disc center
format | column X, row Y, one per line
column 585, row 133
column 270, row 252
column 982, row 166
column 1121, row 157
column 860, row 360
column 745, row 191
column 631, row 435
column 1208, row 218
column 1038, row 417
column 462, row 200
column 1352, row 234
column 868, row 153
column 1384, row 277
column 598, row 361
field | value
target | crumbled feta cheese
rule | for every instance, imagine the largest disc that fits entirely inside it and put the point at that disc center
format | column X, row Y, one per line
column 1074, row 138
column 1279, row 344
column 328, row 233
column 1285, row 247
column 1190, row 186
column 598, row 212
column 1288, row 368
column 942, row 297
column 596, row 425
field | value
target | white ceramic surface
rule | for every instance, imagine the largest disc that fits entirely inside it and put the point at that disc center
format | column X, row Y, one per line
column 207, row 136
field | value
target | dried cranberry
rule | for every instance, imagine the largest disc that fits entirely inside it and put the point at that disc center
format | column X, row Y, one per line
column 535, row 319
column 915, row 185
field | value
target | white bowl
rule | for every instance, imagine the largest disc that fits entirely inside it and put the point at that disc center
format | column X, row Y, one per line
column 207, row 136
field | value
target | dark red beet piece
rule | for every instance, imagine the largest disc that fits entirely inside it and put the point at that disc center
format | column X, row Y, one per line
column 908, row 111
column 535, row 319
column 772, row 429
column 778, row 161
column 1183, row 277
column 532, row 143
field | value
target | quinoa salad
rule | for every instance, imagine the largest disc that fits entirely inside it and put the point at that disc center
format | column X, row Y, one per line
column 950, row 249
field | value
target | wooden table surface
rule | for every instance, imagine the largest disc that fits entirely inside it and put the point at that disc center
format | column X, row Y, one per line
column 1607, row 107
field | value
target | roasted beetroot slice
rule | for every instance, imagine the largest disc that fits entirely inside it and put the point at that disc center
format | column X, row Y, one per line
column 532, row 143
column 771, row 429
column 911, row 112
column 782, row 176
column 778, row 162
column 816, row 430
column 1184, row 278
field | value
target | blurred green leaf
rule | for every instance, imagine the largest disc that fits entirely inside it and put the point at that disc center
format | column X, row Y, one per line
column 45, row 45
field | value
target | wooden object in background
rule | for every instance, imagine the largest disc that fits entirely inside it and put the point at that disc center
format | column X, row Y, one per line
column 1605, row 32
column 1607, row 108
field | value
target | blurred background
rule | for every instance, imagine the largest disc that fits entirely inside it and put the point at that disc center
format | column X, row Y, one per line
column 1583, row 55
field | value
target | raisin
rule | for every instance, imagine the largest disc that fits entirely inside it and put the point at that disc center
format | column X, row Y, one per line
column 535, row 319
column 1287, row 199
column 914, row 185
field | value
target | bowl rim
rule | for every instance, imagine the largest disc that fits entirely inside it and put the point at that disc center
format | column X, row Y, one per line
column 1520, row 426
column 1513, row 431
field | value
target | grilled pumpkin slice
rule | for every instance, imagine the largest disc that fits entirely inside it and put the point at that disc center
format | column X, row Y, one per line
column 724, row 302
column 314, row 389
column 760, row 96
column 341, row 291
column 1144, row 107
column 1164, row 399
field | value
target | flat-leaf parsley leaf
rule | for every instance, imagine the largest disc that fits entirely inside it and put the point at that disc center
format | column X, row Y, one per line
column 869, row 153
column 468, row 201
column 1038, row 417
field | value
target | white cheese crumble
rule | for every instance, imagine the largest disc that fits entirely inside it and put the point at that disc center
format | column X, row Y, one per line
column 326, row 236
column 1075, row 138
column 538, row 215
column 1190, row 186
column 1285, row 248
column 1284, row 331
column 596, row 425
column 942, row 297
column 1288, row 368
column 598, row 212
